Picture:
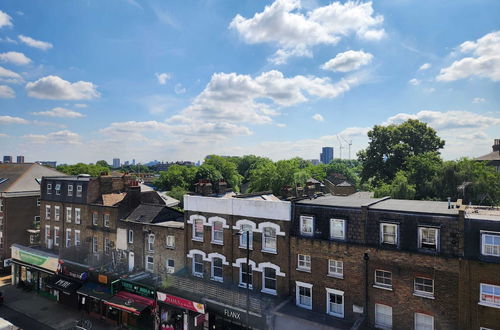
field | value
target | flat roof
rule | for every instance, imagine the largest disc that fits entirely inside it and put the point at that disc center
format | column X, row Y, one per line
column 415, row 206
column 341, row 201
column 69, row 178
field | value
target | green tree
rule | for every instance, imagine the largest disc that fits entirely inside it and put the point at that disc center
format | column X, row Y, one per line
column 390, row 146
column 176, row 176
column 81, row 168
column 207, row 172
column 227, row 169
column 399, row 188
column 262, row 176
column 421, row 171
column 178, row 193
column 102, row 163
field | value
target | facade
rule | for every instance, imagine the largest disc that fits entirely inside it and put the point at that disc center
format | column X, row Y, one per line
column 493, row 158
column 116, row 162
column 326, row 155
column 20, row 159
column 7, row 159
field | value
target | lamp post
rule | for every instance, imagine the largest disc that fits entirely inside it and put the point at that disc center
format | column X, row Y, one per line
column 249, row 271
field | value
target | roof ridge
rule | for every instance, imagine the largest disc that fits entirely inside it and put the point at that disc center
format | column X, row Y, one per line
column 19, row 177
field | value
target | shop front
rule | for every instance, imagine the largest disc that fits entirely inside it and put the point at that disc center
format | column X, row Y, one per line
column 178, row 313
column 223, row 316
column 32, row 269
column 64, row 289
column 92, row 296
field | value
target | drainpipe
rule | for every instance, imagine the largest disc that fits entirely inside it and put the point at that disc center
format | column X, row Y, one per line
column 366, row 258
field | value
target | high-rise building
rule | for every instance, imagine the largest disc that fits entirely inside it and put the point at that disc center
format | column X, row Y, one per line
column 7, row 159
column 326, row 156
column 20, row 159
column 116, row 162
column 133, row 161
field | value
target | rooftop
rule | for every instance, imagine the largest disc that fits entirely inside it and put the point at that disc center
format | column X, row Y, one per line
column 340, row 201
column 154, row 214
column 483, row 213
column 23, row 177
column 81, row 177
column 495, row 155
column 415, row 206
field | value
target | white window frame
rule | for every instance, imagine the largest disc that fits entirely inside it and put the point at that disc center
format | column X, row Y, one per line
column 212, row 270
column 417, row 315
column 1, row 204
column 70, row 190
column 334, row 266
column 328, row 307
column 57, row 212
column 78, row 216
column 68, row 237
column 47, row 234
column 168, row 268
column 421, row 236
column 49, row 188
column 267, row 239
column 383, row 324
column 494, row 248
column 32, row 239
column 250, row 271
column 77, row 238
column 151, row 242
column 95, row 218
column 265, row 289
column 423, row 293
column 47, row 212
column 58, row 189
column 150, row 263
column 195, row 231
column 305, row 263
column 396, row 234
column 36, row 219
column 37, row 203
column 298, row 302
column 495, row 296
column 195, row 273
column 303, row 220
column 383, row 275
column 170, row 241
column 95, row 245
column 243, row 236
column 69, row 214
column 79, row 190
column 221, row 232
column 130, row 236
column 107, row 245
column 57, row 236
column 105, row 219
column 332, row 222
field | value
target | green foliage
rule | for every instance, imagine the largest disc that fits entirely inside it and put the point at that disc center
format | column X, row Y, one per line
column 399, row 188
column 176, row 176
column 178, row 193
column 81, row 168
column 102, row 163
column 227, row 169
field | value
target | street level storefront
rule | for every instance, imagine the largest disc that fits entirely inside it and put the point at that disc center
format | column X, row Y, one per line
column 32, row 269
column 132, row 305
column 178, row 313
column 64, row 288
column 92, row 296
column 222, row 316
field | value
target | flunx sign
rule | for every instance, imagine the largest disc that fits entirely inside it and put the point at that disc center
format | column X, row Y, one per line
column 232, row 314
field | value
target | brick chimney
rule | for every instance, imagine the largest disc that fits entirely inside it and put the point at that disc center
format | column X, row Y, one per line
column 133, row 194
column 496, row 145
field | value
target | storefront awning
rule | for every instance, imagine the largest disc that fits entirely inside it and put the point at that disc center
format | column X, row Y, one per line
column 129, row 302
column 95, row 290
column 63, row 284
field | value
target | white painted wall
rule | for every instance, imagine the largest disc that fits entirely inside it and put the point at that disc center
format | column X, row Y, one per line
column 275, row 210
column 121, row 239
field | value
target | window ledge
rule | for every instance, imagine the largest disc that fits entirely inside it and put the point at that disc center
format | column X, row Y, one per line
column 488, row 304
column 335, row 315
column 304, row 306
column 336, row 276
column 170, row 247
column 244, row 286
column 244, row 248
column 268, row 291
column 388, row 288
column 424, row 295
column 197, row 239
column 269, row 251
column 217, row 279
column 217, row 242
column 198, row 275
column 304, row 270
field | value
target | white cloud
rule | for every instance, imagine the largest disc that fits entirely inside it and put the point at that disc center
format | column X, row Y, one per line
column 12, row 120
column 43, row 45
column 59, row 137
column 55, row 88
column 178, row 89
column 348, row 61
column 81, row 105
column 5, row 19
column 59, row 112
column 355, row 131
column 414, row 82
column 478, row 100
column 429, row 90
column 280, row 125
column 15, row 58
column 448, row 120
column 6, row 92
column 295, row 32
column 484, row 63
column 9, row 40
column 8, row 76
column 425, row 66
column 318, row 117
column 162, row 78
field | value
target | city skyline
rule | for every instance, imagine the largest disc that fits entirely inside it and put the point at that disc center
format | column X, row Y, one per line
column 276, row 79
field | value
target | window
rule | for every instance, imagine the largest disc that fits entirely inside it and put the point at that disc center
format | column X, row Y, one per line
column 36, row 221
column 424, row 322
column 77, row 216
column 32, row 239
column 490, row 244
column 130, row 236
column 56, row 236
column 246, row 275
column 489, row 295
column 68, row 237
column 306, row 225
column 47, row 212
column 383, row 316
column 106, row 245
column 217, row 269
column 198, row 230
column 428, row 238
column 70, row 190
column 198, row 265
column 47, row 235
column 79, row 191
column 269, row 239
column 37, row 203
column 149, row 263
column 246, row 230
column 58, row 189
column 304, row 262
column 68, row 214
column 170, row 241
column 217, row 232
column 269, row 280
column 424, row 286
column 1, row 205
column 94, row 244
column 77, row 238
column 151, row 242
column 336, row 268
column 389, row 233
column 95, row 216
column 57, row 212
column 303, row 295
column 337, row 229
column 335, row 302
column 49, row 188
column 383, row 279
column 170, row 267
column 106, row 219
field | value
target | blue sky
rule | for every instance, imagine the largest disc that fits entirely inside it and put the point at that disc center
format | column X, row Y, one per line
column 172, row 80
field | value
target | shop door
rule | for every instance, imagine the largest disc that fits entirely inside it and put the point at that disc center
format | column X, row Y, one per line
column 130, row 261
column 124, row 318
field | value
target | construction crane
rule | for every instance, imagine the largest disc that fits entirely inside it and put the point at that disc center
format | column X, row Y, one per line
column 349, row 142
column 340, row 145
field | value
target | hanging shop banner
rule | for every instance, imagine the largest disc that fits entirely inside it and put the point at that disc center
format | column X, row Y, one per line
column 180, row 302
column 42, row 261
column 136, row 288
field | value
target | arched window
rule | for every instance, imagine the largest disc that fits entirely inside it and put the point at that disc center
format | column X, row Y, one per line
column 217, row 269
column 218, row 232
column 269, row 239
column 198, row 230
column 269, row 280
column 246, row 275
column 198, row 265
column 246, row 229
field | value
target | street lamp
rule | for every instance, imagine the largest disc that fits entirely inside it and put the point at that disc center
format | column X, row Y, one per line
column 249, row 271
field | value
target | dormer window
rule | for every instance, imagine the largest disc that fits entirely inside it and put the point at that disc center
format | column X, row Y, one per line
column 58, row 189
column 49, row 188
column 306, row 225
column 70, row 190
column 79, row 190
column 490, row 244
column 428, row 238
column 389, row 233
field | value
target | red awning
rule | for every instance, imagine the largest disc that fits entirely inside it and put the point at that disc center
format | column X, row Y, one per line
column 130, row 302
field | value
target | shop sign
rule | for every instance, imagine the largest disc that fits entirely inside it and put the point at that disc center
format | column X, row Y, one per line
column 103, row 279
column 7, row 262
column 138, row 289
column 81, row 276
column 235, row 314
column 180, row 302
column 46, row 262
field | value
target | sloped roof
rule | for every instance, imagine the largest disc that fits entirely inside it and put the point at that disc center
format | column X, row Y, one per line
column 150, row 213
column 112, row 199
column 22, row 177
column 495, row 155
